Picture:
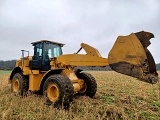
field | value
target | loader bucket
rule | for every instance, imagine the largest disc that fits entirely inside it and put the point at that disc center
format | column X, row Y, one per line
column 131, row 57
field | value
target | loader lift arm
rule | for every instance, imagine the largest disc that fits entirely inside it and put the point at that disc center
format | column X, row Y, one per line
column 91, row 58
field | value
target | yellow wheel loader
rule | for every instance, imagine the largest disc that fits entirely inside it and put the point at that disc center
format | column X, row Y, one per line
column 52, row 73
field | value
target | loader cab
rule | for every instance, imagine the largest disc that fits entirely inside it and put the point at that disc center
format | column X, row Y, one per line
column 44, row 50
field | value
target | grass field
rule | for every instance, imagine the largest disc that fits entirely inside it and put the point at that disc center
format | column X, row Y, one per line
column 118, row 97
column 2, row 72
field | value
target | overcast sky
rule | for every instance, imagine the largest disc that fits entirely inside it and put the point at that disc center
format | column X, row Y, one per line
column 95, row 22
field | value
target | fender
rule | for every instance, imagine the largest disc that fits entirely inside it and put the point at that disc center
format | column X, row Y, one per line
column 46, row 75
column 14, row 71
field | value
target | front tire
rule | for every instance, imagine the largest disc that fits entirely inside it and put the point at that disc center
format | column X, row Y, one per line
column 59, row 91
column 90, row 84
column 20, row 84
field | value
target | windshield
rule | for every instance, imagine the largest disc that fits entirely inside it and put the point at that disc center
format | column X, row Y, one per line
column 53, row 50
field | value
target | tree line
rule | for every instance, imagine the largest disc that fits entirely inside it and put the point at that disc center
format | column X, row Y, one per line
column 7, row 65
column 10, row 64
column 158, row 66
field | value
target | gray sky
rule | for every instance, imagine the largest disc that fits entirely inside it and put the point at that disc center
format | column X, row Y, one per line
column 95, row 22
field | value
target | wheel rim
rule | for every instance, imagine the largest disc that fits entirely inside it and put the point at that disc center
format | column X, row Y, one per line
column 52, row 92
column 83, row 90
column 16, row 85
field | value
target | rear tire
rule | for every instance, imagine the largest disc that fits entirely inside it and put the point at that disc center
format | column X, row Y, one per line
column 59, row 91
column 20, row 84
column 90, row 84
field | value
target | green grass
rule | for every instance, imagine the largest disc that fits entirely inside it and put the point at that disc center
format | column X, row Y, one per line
column 4, row 72
column 118, row 97
column 108, row 99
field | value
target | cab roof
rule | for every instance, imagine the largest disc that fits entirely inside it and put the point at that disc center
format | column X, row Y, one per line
column 39, row 41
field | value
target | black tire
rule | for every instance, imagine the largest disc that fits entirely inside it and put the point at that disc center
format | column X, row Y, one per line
column 90, row 82
column 62, row 88
column 20, row 84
